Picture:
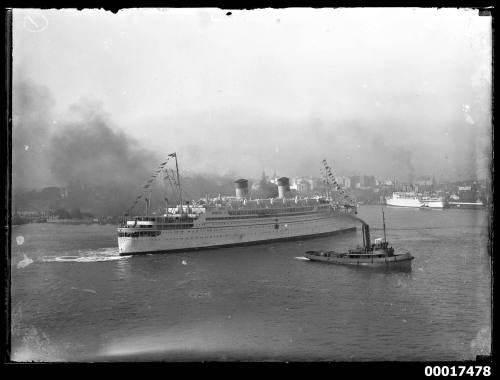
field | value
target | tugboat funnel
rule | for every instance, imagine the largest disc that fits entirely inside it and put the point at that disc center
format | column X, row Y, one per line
column 366, row 236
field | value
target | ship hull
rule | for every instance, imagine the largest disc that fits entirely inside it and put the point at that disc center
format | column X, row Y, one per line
column 434, row 203
column 256, row 242
column 403, row 204
column 434, row 206
column 261, row 232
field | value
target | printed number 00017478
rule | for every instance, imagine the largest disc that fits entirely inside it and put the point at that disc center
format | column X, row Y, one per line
column 460, row 370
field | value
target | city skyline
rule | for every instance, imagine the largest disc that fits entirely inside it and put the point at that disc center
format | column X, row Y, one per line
column 233, row 94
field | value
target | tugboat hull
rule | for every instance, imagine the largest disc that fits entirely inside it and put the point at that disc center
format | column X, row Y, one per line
column 402, row 261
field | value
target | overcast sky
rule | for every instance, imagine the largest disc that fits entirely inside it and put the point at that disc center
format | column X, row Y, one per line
column 388, row 92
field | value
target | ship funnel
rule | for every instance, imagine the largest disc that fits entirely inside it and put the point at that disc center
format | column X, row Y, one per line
column 283, row 187
column 241, row 186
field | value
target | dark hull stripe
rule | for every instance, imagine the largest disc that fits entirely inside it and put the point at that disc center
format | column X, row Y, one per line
column 350, row 229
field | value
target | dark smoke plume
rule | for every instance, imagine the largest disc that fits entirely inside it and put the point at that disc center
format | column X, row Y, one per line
column 90, row 151
column 31, row 125
column 102, row 169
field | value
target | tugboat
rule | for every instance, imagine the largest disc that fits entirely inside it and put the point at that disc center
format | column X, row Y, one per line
column 378, row 254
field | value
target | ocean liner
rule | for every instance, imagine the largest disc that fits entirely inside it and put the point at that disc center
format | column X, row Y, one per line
column 238, row 220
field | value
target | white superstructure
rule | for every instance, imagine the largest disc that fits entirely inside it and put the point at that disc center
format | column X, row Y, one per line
column 404, row 199
column 412, row 199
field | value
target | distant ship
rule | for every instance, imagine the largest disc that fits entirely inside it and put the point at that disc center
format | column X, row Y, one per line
column 414, row 200
column 235, row 220
column 403, row 199
column 433, row 202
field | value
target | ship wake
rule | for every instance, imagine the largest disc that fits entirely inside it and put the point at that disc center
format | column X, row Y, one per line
column 88, row 256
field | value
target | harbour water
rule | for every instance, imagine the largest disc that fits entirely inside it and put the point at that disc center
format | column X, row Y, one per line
column 74, row 299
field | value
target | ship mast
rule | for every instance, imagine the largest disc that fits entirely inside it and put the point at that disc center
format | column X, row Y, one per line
column 327, row 185
column 383, row 221
column 178, row 183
